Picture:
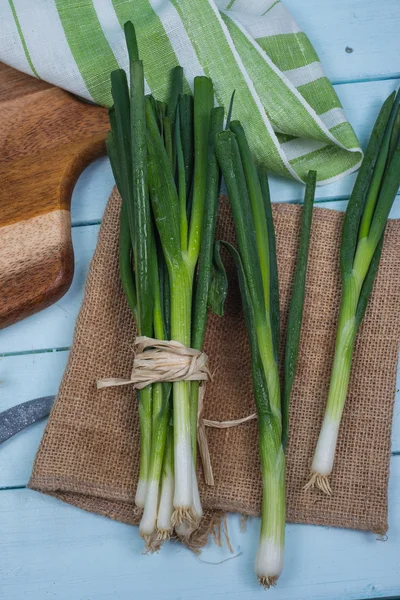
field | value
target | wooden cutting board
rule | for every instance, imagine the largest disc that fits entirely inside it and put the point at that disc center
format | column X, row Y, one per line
column 47, row 138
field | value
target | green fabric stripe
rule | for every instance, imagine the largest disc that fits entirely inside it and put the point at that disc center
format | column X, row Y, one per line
column 320, row 94
column 283, row 138
column 230, row 5
column 328, row 162
column 155, row 48
column 344, row 133
column 284, row 109
column 289, row 50
column 212, row 51
column 22, row 38
column 89, row 47
column 272, row 6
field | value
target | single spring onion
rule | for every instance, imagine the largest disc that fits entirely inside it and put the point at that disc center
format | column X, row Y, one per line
column 128, row 149
column 181, row 257
column 362, row 238
column 256, row 264
column 160, row 417
column 204, row 275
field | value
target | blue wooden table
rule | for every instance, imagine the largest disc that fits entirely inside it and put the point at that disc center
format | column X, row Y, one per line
column 51, row 550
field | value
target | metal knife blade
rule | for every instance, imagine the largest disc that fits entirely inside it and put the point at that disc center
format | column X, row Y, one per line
column 18, row 417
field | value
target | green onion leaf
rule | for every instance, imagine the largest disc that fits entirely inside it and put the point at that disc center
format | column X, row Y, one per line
column 357, row 199
column 203, row 103
column 186, row 115
column 208, row 232
column 273, row 266
column 131, row 41
column 219, row 283
column 164, row 197
column 295, row 317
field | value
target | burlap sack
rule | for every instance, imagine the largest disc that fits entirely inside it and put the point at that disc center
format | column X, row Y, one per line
column 89, row 452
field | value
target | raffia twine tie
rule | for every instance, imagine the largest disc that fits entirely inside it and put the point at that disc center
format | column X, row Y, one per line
column 159, row 361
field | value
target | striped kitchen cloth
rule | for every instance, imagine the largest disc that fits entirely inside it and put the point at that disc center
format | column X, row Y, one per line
column 290, row 111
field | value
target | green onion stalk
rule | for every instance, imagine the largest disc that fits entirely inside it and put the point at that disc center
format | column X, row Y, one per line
column 163, row 160
column 160, row 417
column 362, row 237
column 127, row 153
column 180, row 236
column 256, row 265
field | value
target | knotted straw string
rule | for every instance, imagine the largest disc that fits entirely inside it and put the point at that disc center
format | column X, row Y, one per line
column 169, row 361
column 202, row 436
column 161, row 360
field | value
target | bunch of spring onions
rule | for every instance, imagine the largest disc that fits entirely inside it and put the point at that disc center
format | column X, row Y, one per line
column 167, row 174
column 256, row 264
column 362, row 238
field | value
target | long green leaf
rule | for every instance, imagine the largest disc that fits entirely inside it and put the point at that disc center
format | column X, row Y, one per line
column 257, row 208
column 230, row 110
column 295, row 317
column 141, row 203
column 186, row 121
column 357, row 199
column 203, row 103
column 389, row 189
column 153, row 104
column 176, row 91
column 228, row 156
column 114, row 161
column 181, row 182
column 273, row 266
column 131, row 41
column 259, row 382
column 167, row 129
column 214, row 124
column 125, row 263
column 395, row 136
column 368, row 284
column 164, row 197
column 219, row 284
column 161, row 112
column 208, row 230
column 120, row 122
column 164, row 290
column 379, row 170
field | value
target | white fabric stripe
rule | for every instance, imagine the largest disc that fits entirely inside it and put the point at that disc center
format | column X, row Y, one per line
column 12, row 51
column 114, row 34
column 48, row 46
column 306, row 74
column 179, row 39
column 253, row 92
column 277, row 21
column 333, row 117
column 299, row 147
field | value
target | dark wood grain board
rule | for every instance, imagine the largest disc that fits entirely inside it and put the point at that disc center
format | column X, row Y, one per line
column 47, row 138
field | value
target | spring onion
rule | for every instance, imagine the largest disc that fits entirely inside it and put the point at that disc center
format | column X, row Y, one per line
column 362, row 238
column 162, row 156
column 256, row 265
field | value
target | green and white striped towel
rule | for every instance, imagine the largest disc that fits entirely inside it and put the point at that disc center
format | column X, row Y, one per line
column 291, row 113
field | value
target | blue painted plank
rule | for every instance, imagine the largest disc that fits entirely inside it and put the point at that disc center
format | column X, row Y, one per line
column 24, row 378
column 91, row 193
column 369, row 28
column 49, row 548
